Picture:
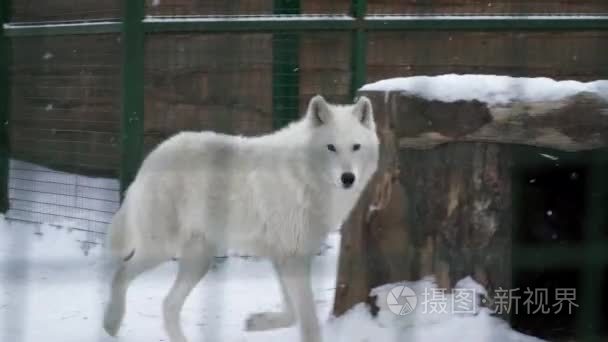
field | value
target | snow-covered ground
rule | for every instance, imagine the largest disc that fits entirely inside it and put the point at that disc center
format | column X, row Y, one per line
column 54, row 290
column 50, row 291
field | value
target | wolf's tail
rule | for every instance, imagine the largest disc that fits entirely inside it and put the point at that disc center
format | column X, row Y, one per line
column 119, row 240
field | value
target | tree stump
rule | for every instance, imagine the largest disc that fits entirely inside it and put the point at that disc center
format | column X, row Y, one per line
column 441, row 201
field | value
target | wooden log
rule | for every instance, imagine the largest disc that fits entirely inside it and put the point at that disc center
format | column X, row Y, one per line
column 574, row 123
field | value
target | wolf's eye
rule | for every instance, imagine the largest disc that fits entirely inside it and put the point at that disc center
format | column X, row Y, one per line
column 331, row 147
column 356, row 147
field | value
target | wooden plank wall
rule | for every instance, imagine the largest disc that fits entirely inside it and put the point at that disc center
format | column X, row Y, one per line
column 219, row 82
column 65, row 104
column 486, row 6
column 240, row 7
column 560, row 55
column 43, row 10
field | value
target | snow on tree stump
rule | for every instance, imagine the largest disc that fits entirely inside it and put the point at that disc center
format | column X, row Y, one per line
column 441, row 201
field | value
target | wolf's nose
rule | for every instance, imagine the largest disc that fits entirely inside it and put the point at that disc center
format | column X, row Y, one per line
column 348, row 178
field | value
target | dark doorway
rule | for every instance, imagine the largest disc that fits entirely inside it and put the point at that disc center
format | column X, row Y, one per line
column 550, row 204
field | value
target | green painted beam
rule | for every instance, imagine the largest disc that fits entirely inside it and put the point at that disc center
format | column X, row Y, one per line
column 5, row 96
column 132, row 92
column 485, row 23
column 358, row 48
column 255, row 24
column 377, row 23
column 593, row 282
column 358, row 9
column 285, row 68
column 324, row 23
column 559, row 256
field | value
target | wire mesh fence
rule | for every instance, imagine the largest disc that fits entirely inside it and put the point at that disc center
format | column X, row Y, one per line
column 65, row 129
column 230, row 82
column 217, row 81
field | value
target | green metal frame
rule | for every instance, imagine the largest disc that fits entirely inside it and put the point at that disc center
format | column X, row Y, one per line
column 356, row 21
column 286, row 28
column 596, row 218
column 5, row 97
column 285, row 68
column 133, row 92
column 359, row 47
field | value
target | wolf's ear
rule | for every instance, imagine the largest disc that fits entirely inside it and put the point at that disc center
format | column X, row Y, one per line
column 364, row 112
column 318, row 110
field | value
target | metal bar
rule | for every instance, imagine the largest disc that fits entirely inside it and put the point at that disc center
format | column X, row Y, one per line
column 595, row 223
column 18, row 244
column 65, row 28
column 358, row 48
column 285, row 68
column 359, row 9
column 325, row 23
column 484, row 23
column 375, row 23
column 245, row 24
column 5, row 96
column 133, row 93
column 558, row 256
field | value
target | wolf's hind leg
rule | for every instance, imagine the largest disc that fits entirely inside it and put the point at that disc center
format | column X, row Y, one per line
column 137, row 263
column 193, row 265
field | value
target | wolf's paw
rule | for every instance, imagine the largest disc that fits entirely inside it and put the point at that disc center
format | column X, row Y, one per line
column 111, row 325
column 268, row 321
column 112, row 319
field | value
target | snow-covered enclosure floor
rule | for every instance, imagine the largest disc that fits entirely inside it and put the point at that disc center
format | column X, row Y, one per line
column 50, row 291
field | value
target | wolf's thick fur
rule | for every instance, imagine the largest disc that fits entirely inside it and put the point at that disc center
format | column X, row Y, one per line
column 276, row 196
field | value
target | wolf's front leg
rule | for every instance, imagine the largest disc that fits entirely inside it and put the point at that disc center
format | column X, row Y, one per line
column 295, row 275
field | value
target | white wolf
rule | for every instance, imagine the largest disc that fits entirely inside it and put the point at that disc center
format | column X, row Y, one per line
column 275, row 196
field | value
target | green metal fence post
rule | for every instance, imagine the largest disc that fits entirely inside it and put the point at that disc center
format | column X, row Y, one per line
column 593, row 281
column 133, row 92
column 359, row 47
column 285, row 69
column 5, row 88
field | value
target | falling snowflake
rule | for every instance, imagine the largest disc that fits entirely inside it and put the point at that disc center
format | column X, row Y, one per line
column 548, row 156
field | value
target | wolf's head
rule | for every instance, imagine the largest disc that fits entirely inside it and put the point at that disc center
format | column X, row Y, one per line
column 345, row 145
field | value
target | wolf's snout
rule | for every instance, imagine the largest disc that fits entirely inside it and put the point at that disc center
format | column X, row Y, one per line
column 348, row 178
